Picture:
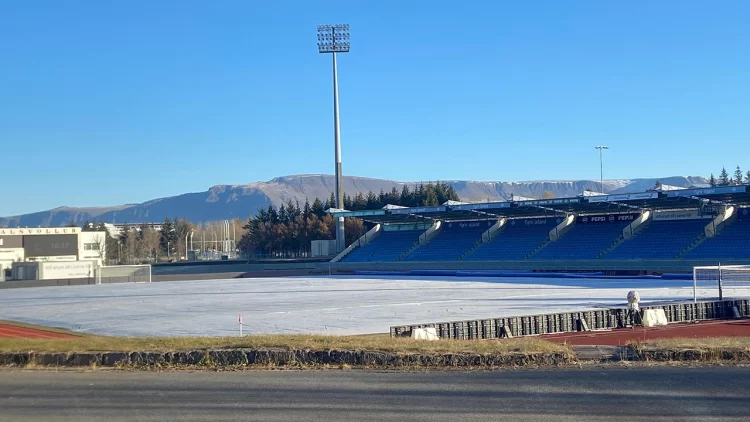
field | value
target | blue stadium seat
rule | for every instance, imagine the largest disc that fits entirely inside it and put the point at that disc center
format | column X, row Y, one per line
column 453, row 240
column 659, row 240
column 518, row 238
column 388, row 246
column 733, row 242
column 584, row 241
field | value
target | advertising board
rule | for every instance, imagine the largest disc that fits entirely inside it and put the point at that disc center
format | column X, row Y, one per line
column 623, row 197
column 680, row 215
column 611, row 218
column 66, row 269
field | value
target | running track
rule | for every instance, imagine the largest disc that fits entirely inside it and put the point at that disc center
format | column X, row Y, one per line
column 740, row 328
column 13, row 331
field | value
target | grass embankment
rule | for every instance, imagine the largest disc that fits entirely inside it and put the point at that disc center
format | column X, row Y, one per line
column 707, row 343
column 708, row 350
column 380, row 342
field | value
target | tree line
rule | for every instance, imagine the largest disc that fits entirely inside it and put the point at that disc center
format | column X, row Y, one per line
column 283, row 231
column 724, row 179
column 289, row 229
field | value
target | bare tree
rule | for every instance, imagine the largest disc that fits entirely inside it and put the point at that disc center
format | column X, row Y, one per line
column 100, row 243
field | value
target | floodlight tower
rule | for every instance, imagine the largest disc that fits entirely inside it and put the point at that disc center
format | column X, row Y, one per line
column 601, row 148
column 335, row 39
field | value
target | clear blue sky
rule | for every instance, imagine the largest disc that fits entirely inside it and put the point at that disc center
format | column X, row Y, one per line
column 104, row 103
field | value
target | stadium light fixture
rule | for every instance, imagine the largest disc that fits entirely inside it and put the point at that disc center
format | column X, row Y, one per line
column 601, row 148
column 335, row 39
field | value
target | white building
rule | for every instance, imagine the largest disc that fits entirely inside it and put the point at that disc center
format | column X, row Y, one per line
column 50, row 244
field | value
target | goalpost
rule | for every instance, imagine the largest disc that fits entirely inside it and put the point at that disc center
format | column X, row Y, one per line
column 719, row 278
column 123, row 274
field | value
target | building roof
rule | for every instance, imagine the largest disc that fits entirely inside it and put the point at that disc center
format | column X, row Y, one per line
column 672, row 199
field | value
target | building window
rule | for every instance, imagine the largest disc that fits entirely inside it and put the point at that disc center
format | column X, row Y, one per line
column 90, row 247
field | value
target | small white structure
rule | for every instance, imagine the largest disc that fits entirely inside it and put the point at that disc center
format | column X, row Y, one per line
column 654, row 317
column 424, row 334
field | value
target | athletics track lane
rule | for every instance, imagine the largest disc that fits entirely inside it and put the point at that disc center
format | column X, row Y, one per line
column 736, row 328
column 14, row 331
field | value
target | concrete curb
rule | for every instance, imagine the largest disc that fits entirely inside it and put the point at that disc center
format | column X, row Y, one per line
column 282, row 358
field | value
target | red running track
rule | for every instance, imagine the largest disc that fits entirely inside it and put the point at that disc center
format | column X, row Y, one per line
column 13, row 331
column 622, row 336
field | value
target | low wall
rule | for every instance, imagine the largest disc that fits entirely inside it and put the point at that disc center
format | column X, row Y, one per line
column 565, row 322
column 15, row 284
column 264, row 358
column 671, row 265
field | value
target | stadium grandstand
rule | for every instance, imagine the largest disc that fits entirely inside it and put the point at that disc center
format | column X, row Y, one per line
column 705, row 223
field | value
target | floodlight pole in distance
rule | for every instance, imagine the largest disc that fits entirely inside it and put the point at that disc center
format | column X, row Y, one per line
column 601, row 148
column 335, row 39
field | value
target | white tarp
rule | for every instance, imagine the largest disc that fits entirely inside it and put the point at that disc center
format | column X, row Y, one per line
column 654, row 317
column 424, row 334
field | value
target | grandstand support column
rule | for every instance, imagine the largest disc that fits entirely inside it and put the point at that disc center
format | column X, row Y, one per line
column 718, row 223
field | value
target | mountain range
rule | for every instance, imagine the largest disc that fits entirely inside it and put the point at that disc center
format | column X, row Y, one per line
column 241, row 201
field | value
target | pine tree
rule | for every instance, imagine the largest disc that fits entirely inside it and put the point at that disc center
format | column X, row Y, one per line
column 394, row 198
column 723, row 177
column 331, row 201
column 747, row 178
column 359, row 203
column 168, row 239
column 738, row 176
column 373, row 201
column 307, row 210
column 318, row 208
column 405, row 198
column 712, row 180
column 429, row 198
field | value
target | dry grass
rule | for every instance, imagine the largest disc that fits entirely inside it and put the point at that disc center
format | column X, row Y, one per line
column 707, row 343
column 379, row 342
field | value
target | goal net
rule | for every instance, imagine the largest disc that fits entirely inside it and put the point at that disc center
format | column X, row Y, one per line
column 718, row 280
column 123, row 274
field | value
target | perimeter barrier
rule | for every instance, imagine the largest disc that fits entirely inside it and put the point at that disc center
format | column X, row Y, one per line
column 565, row 322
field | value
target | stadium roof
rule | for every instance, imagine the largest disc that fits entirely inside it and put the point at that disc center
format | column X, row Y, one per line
column 599, row 204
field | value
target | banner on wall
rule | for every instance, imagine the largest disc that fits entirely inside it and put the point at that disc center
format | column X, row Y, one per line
column 611, row 218
column 680, row 215
column 718, row 190
column 623, row 197
column 546, row 202
column 420, row 210
column 482, row 206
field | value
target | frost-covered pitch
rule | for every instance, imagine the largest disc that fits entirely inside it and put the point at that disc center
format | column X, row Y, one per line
column 325, row 305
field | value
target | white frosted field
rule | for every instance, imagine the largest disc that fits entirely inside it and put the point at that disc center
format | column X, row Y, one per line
column 323, row 305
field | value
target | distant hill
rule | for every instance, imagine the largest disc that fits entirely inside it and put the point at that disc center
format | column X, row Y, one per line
column 241, row 201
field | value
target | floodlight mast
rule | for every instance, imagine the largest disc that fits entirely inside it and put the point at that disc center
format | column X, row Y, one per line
column 335, row 39
column 601, row 148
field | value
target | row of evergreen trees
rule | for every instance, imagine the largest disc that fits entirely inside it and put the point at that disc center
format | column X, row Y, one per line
column 726, row 180
column 289, row 229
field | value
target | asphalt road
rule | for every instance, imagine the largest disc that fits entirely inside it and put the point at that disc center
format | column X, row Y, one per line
column 648, row 394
